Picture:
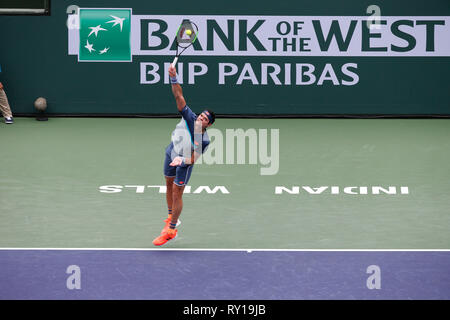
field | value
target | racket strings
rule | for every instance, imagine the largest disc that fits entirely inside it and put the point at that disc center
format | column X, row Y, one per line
column 184, row 42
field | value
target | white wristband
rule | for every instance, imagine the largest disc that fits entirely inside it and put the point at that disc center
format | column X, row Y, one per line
column 173, row 80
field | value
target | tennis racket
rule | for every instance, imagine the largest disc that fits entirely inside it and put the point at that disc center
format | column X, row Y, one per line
column 186, row 36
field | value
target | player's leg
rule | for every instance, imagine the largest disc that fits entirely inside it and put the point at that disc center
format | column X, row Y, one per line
column 169, row 175
column 182, row 178
column 177, row 204
column 169, row 198
column 170, row 232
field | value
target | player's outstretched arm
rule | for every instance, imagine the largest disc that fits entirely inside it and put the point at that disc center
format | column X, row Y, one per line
column 178, row 161
column 176, row 89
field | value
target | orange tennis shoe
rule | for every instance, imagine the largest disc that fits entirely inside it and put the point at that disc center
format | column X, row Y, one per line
column 167, row 236
column 166, row 227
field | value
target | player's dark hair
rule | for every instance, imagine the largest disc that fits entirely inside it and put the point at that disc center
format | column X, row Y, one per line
column 213, row 116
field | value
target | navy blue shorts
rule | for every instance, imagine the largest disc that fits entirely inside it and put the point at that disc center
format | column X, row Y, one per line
column 181, row 174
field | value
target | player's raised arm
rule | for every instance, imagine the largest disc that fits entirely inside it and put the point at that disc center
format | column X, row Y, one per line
column 176, row 88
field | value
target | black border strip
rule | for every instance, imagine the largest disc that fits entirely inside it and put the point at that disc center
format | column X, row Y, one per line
column 274, row 309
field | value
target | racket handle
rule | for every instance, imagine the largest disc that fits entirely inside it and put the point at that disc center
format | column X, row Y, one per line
column 174, row 62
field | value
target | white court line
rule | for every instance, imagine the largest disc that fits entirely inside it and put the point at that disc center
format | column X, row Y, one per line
column 246, row 250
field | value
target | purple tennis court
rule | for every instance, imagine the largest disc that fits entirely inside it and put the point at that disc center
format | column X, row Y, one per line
column 224, row 275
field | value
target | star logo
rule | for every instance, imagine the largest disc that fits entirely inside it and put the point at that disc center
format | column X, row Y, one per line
column 104, row 51
column 109, row 29
column 117, row 21
column 89, row 46
column 96, row 30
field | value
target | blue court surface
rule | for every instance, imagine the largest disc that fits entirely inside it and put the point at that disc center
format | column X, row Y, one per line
column 223, row 274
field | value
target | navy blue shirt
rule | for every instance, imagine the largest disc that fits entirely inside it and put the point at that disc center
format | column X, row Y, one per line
column 197, row 139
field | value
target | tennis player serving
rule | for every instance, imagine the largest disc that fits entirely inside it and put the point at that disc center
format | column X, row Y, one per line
column 189, row 141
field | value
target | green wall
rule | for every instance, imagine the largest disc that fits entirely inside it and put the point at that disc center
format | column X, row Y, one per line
column 35, row 62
